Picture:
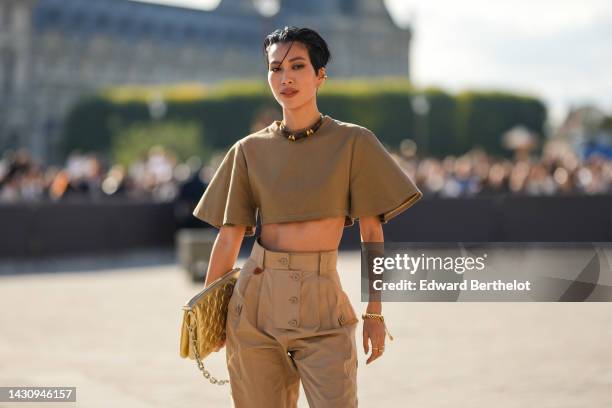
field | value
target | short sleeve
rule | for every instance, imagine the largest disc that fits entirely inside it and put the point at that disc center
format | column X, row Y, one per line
column 228, row 199
column 378, row 185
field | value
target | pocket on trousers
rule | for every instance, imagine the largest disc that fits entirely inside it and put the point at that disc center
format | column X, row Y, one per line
column 345, row 313
column 240, row 291
column 244, row 278
column 336, row 310
column 234, row 308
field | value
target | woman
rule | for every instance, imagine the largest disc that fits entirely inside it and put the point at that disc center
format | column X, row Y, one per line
column 308, row 176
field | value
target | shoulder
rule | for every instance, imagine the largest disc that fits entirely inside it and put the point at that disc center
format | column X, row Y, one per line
column 361, row 137
column 258, row 135
column 352, row 135
column 352, row 128
column 358, row 134
column 258, row 138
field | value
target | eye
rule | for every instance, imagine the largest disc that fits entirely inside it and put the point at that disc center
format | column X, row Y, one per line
column 299, row 66
column 274, row 69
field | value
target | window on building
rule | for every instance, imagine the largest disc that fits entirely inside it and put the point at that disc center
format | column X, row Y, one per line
column 52, row 16
column 78, row 19
column 146, row 28
column 102, row 21
column 7, row 77
column 6, row 11
column 347, row 6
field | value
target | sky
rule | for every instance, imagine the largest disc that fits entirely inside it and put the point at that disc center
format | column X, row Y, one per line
column 557, row 50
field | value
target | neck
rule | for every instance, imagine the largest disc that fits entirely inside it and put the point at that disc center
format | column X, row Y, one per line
column 301, row 118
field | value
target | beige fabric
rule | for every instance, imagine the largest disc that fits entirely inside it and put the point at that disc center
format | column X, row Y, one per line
column 289, row 320
column 343, row 169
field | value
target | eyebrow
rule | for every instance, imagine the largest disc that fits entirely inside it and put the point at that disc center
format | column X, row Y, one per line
column 292, row 59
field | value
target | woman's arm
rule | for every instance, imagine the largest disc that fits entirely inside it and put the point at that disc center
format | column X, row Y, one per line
column 223, row 256
column 225, row 251
column 371, row 230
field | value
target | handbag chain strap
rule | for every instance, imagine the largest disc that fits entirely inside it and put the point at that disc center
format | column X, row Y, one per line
column 205, row 372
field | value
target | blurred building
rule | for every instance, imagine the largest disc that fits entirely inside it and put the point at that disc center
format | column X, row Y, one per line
column 54, row 51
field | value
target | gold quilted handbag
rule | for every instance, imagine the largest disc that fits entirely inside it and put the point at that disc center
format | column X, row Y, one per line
column 204, row 317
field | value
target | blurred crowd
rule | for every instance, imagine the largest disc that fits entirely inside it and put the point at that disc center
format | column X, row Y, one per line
column 156, row 176
column 159, row 176
column 557, row 171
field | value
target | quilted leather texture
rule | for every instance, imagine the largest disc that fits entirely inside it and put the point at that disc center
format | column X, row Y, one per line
column 207, row 315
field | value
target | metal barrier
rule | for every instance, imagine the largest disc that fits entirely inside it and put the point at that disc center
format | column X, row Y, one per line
column 41, row 229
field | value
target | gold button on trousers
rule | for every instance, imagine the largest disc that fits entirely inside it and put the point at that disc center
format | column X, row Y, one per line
column 289, row 320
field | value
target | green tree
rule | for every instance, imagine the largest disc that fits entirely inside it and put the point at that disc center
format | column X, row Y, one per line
column 183, row 139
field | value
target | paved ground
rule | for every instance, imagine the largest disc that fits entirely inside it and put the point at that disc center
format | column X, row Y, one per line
column 113, row 333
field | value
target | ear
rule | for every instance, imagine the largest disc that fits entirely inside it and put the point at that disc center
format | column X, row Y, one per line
column 321, row 73
column 321, row 77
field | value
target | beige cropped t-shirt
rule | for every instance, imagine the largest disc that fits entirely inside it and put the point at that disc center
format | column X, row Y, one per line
column 342, row 169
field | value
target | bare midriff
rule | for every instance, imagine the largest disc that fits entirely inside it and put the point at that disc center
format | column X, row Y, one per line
column 303, row 236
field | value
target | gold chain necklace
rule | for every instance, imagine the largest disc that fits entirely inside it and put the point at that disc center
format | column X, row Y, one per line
column 299, row 135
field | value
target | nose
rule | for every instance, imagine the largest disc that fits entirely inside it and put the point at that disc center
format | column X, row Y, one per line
column 285, row 79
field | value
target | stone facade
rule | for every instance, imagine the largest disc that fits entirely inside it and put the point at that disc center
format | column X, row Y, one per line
column 53, row 52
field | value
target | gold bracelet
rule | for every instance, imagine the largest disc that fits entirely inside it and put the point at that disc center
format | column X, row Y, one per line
column 377, row 317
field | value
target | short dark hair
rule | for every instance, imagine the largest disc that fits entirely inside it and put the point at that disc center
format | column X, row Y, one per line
column 316, row 45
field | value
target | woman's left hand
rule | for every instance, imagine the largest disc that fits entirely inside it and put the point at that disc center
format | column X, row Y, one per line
column 374, row 334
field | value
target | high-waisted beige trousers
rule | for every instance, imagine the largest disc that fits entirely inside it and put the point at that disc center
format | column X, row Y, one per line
column 289, row 320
